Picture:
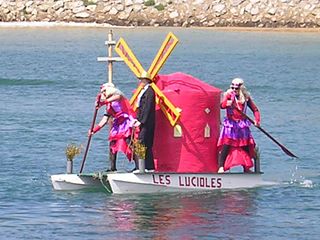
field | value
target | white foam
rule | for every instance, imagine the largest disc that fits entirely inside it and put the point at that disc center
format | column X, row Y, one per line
column 307, row 183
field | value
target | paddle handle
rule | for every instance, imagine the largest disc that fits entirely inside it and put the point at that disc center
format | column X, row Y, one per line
column 89, row 137
column 284, row 149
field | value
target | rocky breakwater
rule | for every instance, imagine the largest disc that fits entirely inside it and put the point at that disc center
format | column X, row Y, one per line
column 185, row 13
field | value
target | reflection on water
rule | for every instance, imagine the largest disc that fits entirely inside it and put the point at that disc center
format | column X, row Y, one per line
column 184, row 215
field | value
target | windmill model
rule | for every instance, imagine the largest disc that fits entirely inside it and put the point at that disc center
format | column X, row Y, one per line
column 183, row 142
column 171, row 112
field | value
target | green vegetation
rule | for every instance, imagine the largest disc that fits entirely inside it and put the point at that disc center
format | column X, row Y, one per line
column 159, row 7
column 88, row 2
column 149, row 3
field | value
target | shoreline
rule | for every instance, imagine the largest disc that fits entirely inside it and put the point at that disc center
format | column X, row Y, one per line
column 106, row 25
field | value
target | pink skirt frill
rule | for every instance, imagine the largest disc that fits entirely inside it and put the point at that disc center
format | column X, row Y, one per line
column 120, row 135
column 237, row 134
column 238, row 157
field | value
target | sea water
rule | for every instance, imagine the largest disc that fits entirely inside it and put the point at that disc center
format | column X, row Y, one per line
column 49, row 78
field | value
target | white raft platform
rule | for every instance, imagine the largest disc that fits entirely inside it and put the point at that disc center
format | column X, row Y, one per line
column 157, row 182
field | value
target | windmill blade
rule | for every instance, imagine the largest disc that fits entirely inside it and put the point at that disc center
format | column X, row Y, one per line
column 169, row 110
column 129, row 58
column 134, row 97
column 122, row 48
column 165, row 50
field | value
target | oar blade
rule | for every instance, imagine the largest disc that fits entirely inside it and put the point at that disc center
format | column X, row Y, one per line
column 288, row 152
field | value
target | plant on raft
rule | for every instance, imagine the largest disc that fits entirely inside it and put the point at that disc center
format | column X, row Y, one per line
column 72, row 150
column 139, row 149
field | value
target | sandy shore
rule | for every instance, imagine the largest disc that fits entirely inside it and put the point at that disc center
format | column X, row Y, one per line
column 55, row 24
column 96, row 25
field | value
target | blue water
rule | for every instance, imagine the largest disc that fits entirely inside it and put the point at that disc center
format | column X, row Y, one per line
column 48, row 81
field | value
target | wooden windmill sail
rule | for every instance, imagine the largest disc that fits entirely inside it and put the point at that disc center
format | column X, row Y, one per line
column 171, row 112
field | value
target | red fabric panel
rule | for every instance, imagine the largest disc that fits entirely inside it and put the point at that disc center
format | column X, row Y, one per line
column 192, row 152
column 238, row 157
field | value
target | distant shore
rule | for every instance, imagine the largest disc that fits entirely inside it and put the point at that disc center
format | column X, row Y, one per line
column 230, row 14
column 104, row 25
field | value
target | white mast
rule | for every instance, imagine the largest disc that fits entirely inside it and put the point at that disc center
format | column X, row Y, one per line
column 110, row 43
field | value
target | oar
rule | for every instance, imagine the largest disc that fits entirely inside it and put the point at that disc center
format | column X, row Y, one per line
column 267, row 134
column 90, row 136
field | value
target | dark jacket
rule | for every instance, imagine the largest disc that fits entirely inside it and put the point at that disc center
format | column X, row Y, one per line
column 146, row 114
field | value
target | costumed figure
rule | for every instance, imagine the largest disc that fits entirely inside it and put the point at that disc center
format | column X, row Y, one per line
column 236, row 144
column 119, row 112
column 146, row 118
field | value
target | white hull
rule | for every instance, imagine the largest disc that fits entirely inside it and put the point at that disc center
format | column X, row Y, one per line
column 180, row 182
column 70, row 182
column 122, row 183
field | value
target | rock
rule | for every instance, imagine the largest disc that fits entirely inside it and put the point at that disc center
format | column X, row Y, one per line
column 29, row 3
column 254, row 11
column 272, row 11
column 59, row 11
column 106, row 9
column 78, row 9
column 57, row 5
column 123, row 15
column 258, row 13
column 211, row 23
column 184, row 24
column 6, row 11
column 219, row 8
column 316, row 12
column 254, row 1
column 20, row 6
column 120, row 7
column 236, row 2
column 138, row 1
column 82, row 15
column 174, row 14
column 113, row 11
column 234, row 11
column 137, row 8
column 29, row 10
column 44, row 7
column 198, row 2
column 77, row 4
column 91, row 8
column 256, row 19
column 128, row 3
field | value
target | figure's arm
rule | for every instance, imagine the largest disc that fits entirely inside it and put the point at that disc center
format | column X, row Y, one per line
column 114, row 97
column 255, row 111
column 227, row 99
column 110, row 99
column 100, row 125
